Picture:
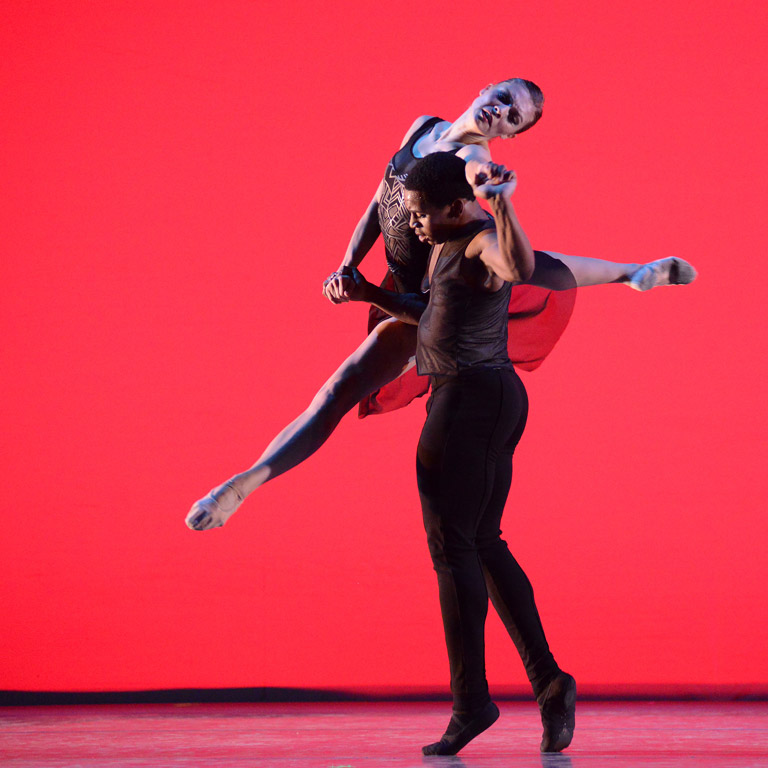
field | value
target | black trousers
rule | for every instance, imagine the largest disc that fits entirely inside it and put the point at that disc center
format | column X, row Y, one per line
column 464, row 470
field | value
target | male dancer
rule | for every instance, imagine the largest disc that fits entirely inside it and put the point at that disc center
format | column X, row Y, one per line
column 475, row 418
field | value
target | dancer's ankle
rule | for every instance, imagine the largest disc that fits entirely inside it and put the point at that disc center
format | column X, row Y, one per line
column 462, row 728
column 247, row 482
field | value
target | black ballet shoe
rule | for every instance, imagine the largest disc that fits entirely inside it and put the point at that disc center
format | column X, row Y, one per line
column 460, row 732
column 557, row 704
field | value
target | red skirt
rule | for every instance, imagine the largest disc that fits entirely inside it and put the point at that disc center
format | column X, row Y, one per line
column 537, row 319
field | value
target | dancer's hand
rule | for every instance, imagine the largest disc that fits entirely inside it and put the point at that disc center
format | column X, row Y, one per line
column 348, row 285
column 337, row 284
column 357, row 289
column 492, row 180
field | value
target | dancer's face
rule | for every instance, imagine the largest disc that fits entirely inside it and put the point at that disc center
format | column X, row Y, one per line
column 503, row 110
column 431, row 223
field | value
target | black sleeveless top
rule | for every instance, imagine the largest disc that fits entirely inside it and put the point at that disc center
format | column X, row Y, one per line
column 464, row 326
column 406, row 255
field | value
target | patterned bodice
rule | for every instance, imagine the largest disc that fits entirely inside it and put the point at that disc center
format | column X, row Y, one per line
column 406, row 255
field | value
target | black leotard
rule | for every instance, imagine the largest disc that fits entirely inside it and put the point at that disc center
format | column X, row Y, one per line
column 406, row 255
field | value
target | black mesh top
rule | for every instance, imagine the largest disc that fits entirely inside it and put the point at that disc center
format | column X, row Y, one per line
column 464, row 325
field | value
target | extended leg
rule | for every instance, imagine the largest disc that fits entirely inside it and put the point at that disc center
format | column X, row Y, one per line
column 583, row 271
column 587, row 271
column 384, row 355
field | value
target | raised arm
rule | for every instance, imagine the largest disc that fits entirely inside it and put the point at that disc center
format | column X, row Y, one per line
column 506, row 253
column 475, row 156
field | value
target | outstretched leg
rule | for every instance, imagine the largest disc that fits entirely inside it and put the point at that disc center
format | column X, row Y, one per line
column 382, row 357
column 584, row 271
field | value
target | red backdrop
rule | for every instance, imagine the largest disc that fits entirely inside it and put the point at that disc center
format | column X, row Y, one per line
column 178, row 178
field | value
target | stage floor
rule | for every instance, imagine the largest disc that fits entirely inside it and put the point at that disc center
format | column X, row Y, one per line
column 615, row 734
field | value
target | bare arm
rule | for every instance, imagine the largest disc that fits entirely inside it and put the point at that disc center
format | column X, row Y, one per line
column 365, row 234
column 362, row 240
column 506, row 252
column 474, row 155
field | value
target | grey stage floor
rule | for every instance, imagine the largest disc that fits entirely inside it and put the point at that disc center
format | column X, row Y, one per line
column 360, row 735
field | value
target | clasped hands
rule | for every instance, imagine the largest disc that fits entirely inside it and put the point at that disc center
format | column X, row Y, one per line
column 346, row 284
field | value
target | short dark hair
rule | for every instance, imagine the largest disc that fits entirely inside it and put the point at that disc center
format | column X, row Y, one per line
column 441, row 178
column 537, row 97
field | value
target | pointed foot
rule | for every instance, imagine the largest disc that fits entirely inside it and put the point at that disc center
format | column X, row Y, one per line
column 670, row 271
column 213, row 510
column 557, row 704
column 460, row 732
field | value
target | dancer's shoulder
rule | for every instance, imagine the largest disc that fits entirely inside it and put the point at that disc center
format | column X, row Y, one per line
column 415, row 126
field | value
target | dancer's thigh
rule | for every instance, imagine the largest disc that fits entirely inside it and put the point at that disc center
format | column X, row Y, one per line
column 455, row 451
column 382, row 357
column 473, row 424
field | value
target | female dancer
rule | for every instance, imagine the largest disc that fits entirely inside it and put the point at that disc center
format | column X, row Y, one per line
column 500, row 111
